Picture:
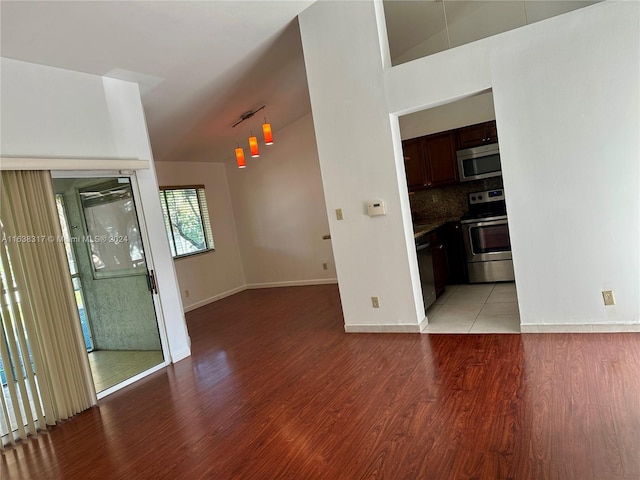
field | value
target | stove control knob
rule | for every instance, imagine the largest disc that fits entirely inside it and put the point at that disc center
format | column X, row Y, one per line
column 479, row 197
column 473, row 198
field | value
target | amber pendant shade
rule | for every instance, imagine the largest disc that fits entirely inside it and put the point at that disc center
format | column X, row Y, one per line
column 240, row 157
column 253, row 146
column 266, row 132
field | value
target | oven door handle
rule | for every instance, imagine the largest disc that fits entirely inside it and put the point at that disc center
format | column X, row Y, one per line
column 489, row 223
column 473, row 253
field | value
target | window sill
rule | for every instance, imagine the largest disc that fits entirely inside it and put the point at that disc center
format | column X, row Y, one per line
column 187, row 255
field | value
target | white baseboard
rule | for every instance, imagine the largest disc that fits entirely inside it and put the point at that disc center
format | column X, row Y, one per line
column 180, row 355
column 383, row 328
column 220, row 296
column 250, row 286
column 294, row 283
column 581, row 328
column 424, row 324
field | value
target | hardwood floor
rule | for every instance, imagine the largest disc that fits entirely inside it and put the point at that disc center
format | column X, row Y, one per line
column 276, row 390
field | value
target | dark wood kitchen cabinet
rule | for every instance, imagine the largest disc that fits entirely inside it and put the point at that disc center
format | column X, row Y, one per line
column 414, row 163
column 430, row 161
column 477, row 135
column 440, row 154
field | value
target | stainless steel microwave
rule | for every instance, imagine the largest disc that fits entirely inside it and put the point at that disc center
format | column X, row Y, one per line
column 479, row 162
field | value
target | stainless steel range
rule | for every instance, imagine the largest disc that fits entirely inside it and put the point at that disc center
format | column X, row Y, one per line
column 486, row 238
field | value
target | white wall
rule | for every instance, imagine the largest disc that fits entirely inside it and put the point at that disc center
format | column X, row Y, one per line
column 359, row 162
column 50, row 112
column 279, row 210
column 565, row 89
column 468, row 111
column 43, row 102
column 212, row 275
column 567, row 102
column 267, row 219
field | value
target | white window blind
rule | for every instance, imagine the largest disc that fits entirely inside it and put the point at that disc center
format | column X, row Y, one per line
column 186, row 219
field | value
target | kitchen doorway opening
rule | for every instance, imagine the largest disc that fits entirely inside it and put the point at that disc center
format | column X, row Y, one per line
column 460, row 220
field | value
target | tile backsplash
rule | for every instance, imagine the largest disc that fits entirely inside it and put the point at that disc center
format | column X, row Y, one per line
column 447, row 202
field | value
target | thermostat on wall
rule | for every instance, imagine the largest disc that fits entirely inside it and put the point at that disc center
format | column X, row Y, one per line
column 376, row 207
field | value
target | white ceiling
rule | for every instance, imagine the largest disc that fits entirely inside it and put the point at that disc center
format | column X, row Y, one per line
column 200, row 64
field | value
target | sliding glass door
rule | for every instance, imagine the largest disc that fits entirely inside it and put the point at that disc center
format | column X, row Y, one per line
column 112, row 277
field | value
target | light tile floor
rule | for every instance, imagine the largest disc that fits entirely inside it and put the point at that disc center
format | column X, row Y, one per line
column 110, row 367
column 476, row 308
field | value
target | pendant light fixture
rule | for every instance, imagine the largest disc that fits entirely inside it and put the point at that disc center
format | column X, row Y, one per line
column 253, row 146
column 253, row 141
column 266, row 132
column 240, row 157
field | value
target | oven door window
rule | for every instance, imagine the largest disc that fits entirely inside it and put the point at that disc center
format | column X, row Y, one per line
column 490, row 238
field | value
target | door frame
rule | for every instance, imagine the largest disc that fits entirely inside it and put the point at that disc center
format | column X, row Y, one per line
column 148, row 254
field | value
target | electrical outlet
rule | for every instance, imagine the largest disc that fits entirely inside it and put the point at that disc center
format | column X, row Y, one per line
column 325, row 266
column 339, row 214
column 607, row 295
column 186, row 293
column 375, row 301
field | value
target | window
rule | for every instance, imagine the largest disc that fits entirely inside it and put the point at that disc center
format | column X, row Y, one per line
column 186, row 219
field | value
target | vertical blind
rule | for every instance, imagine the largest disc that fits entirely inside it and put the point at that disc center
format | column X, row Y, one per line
column 44, row 369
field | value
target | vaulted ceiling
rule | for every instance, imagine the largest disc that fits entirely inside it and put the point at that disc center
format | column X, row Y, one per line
column 200, row 64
